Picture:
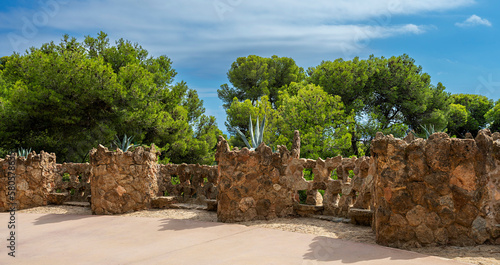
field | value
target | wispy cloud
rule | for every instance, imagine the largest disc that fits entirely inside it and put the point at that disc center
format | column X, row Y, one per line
column 474, row 20
column 194, row 32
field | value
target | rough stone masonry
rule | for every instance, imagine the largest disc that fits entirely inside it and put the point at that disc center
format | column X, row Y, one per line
column 437, row 191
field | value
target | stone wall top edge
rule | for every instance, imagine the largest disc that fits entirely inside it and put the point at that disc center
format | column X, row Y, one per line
column 117, row 151
column 484, row 133
column 33, row 156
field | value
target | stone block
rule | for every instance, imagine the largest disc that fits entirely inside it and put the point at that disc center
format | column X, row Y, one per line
column 163, row 202
column 360, row 216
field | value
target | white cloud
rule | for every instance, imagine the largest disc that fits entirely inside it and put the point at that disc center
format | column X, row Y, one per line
column 474, row 20
column 195, row 32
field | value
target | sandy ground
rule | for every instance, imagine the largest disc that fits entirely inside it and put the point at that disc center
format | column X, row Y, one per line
column 484, row 255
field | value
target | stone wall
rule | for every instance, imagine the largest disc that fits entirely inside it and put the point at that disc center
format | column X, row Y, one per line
column 188, row 182
column 437, row 191
column 72, row 183
column 261, row 184
column 34, row 180
column 251, row 183
column 345, row 182
column 123, row 182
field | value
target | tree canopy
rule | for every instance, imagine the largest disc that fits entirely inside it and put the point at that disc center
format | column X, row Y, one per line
column 386, row 94
column 70, row 97
column 318, row 116
column 476, row 107
column 392, row 95
column 253, row 77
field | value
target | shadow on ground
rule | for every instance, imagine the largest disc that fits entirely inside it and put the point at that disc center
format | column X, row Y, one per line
column 58, row 218
column 184, row 224
column 331, row 249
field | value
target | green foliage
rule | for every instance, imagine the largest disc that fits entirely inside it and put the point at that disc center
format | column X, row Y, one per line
column 319, row 117
column 70, row 97
column 308, row 174
column 174, row 179
column 302, row 196
column 390, row 95
column 457, row 119
column 66, row 177
column 427, row 131
column 385, row 94
column 475, row 108
column 351, row 174
column 124, row 144
column 347, row 79
column 493, row 117
column 239, row 113
column 253, row 77
column 255, row 137
column 23, row 152
column 334, row 175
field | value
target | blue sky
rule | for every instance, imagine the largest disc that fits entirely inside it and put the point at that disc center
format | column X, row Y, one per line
column 455, row 41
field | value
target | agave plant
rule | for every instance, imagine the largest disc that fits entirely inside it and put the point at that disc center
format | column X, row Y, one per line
column 124, row 144
column 428, row 131
column 23, row 152
column 256, row 137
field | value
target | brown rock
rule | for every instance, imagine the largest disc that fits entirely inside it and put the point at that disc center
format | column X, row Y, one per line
column 122, row 186
column 246, row 203
column 447, row 201
column 401, row 201
column 466, row 215
column 314, row 198
column 398, row 220
column 263, row 208
column 424, row 234
column 464, row 176
column 437, row 152
column 163, row 202
column 447, row 216
column 441, row 235
column 432, row 220
column 360, row 216
column 479, row 232
column 416, row 216
column 417, row 191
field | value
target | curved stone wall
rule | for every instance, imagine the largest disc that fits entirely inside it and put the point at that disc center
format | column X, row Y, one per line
column 437, row 191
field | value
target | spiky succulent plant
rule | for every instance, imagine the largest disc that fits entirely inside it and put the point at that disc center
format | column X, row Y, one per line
column 124, row 144
column 428, row 131
column 23, row 152
column 257, row 136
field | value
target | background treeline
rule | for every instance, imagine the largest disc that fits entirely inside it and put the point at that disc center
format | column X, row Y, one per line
column 69, row 97
column 339, row 106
